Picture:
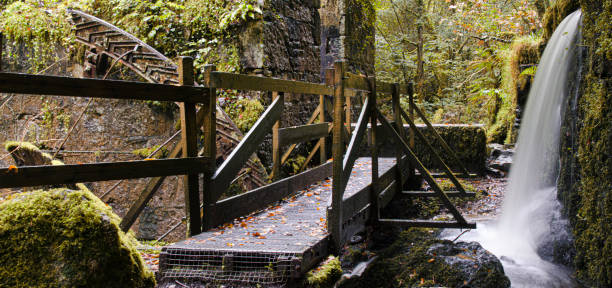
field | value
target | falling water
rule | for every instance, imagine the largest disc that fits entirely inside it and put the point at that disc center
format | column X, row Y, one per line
column 530, row 205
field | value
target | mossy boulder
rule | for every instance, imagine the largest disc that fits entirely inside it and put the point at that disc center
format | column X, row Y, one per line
column 66, row 238
column 418, row 259
column 325, row 275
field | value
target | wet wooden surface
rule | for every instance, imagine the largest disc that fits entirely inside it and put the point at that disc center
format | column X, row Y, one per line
column 294, row 225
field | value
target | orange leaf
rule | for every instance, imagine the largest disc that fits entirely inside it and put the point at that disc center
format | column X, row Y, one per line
column 12, row 169
column 230, row 244
column 149, row 159
column 243, row 225
column 256, row 234
column 308, row 194
column 270, row 214
column 262, row 237
column 430, row 260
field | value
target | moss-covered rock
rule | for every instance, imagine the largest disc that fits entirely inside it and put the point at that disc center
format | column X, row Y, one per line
column 66, row 238
column 418, row 259
column 555, row 14
column 585, row 183
column 325, row 275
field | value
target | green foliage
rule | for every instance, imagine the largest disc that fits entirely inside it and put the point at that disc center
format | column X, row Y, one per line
column 325, row 275
column 66, row 238
column 244, row 112
column 35, row 28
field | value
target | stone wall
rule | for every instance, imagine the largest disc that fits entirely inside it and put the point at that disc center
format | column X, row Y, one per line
column 468, row 141
column 347, row 33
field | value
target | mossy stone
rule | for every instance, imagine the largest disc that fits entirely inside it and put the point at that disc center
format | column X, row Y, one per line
column 66, row 238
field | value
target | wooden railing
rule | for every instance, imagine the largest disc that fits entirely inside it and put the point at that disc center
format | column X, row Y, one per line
column 346, row 215
column 189, row 164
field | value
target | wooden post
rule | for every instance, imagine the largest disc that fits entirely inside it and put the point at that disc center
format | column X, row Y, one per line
column 348, row 117
column 209, row 128
column 189, row 142
column 329, row 80
column 410, row 93
column 1, row 46
column 397, row 113
column 374, row 152
column 276, row 154
column 334, row 217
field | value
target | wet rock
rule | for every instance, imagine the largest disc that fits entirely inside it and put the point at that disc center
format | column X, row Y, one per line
column 479, row 267
column 500, row 158
column 418, row 258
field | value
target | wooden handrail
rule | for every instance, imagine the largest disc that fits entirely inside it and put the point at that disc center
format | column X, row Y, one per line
column 95, row 88
column 28, row 176
column 257, row 83
column 303, row 133
column 353, row 147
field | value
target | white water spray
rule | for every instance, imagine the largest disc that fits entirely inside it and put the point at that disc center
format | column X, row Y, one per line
column 530, row 201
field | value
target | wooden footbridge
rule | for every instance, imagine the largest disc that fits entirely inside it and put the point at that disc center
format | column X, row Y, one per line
column 277, row 232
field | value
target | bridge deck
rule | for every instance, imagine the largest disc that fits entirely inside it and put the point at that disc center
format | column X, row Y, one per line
column 291, row 234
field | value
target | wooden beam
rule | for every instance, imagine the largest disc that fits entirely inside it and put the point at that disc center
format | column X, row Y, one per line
column 352, row 151
column 375, row 214
column 322, row 144
column 414, row 159
column 257, row 83
column 231, row 208
column 299, row 134
column 249, row 144
column 447, row 148
column 95, row 88
column 28, row 176
column 397, row 109
column 384, row 87
column 276, row 145
column 287, row 153
column 356, row 82
column 433, row 194
column 428, row 223
column 433, row 151
column 334, row 216
column 189, row 143
column 209, row 128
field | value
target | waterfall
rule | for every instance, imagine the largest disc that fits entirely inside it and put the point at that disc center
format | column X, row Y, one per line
column 530, row 201
column 531, row 212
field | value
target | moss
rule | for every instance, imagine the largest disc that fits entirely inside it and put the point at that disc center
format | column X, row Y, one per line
column 145, row 152
column 325, row 275
column 555, row 14
column 245, row 112
column 523, row 51
column 72, row 237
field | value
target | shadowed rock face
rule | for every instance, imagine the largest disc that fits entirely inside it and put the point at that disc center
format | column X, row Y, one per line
column 418, row 258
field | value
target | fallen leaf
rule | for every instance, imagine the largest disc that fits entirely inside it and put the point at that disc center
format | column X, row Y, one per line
column 431, row 260
column 12, row 169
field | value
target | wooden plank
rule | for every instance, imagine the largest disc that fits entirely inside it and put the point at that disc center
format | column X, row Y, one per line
column 334, row 217
column 299, row 134
column 357, row 82
column 397, row 109
column 28, row 176
column 428, row 223
column 189, row 143
column 95, row 88
column 229, row 209
column 287, row 153
column 322, row 144
column 352, row 151
column 433, row 194
column 257, row 83
column 430, row 180
column 276, row 145
column 374, row 152
column 209, row 149
column 249, row 144
column 433, row 151
column 447, row 148
column 387, row 194
column 384, row 87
